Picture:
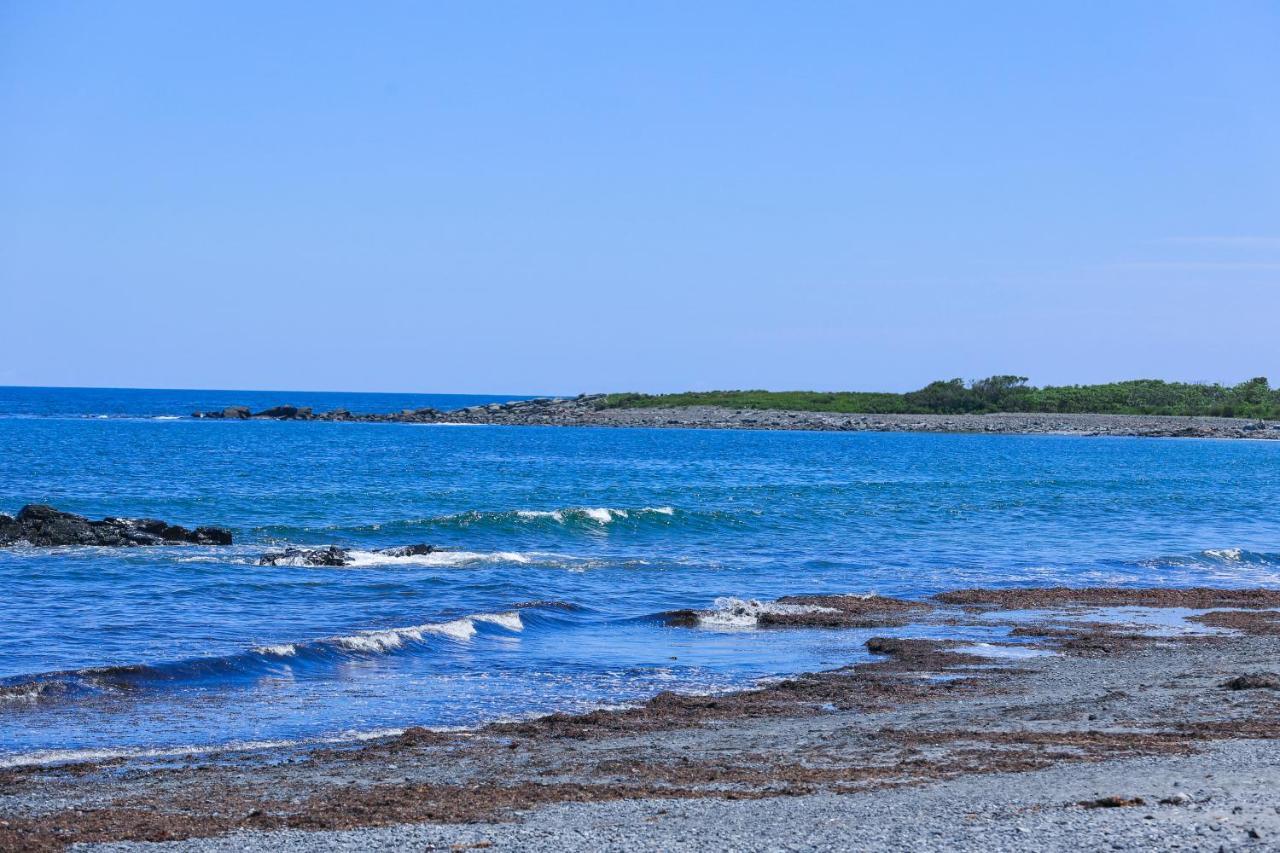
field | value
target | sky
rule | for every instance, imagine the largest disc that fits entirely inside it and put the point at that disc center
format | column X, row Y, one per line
column 551, row 197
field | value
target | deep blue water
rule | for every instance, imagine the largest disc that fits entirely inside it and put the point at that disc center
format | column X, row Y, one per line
column 612, row 525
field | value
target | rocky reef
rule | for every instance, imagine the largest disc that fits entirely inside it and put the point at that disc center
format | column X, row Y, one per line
column 591, row 410
column 41, row 525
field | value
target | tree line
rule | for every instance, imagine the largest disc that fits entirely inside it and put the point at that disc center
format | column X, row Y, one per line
column 1252, row 399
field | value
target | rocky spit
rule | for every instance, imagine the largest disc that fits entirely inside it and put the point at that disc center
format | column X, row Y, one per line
column 1089, row 728
column 588, row 410
column 43, row 526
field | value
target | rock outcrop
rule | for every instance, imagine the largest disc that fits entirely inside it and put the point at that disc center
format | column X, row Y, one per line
column 41, row 525
column 306, row 413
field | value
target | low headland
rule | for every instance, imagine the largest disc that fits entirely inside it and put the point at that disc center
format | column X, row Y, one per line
column 999, row 404
column 1085, row 719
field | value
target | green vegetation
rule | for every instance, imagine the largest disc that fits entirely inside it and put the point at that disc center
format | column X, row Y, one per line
column 1252, row 399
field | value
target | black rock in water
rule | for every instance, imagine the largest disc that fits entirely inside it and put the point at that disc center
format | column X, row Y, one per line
column 332, row 555
column 408, row 550
column 38, row 524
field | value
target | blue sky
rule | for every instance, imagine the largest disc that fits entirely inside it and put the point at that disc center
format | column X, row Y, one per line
column 546, row 197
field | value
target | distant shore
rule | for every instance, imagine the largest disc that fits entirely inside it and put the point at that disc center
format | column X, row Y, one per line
column 587, row 410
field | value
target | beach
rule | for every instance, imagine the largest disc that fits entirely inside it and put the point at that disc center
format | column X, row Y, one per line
column 299, row 632
column 1105, row 718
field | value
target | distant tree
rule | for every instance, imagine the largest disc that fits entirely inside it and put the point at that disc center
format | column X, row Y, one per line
column 999, row 393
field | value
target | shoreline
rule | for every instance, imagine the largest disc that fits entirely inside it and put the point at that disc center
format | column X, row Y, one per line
column 586, row 411
column 1071, row 689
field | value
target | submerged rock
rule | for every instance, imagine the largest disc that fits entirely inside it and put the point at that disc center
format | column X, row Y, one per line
column 38, row 524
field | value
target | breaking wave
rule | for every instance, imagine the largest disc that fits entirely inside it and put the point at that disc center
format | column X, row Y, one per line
column 1239, row 555
column 585, row 519
column 359, row 559
column 253, row 663
column 730, row 612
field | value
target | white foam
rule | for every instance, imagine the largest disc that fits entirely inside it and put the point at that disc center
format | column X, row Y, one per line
column 284, row 650
column 462, row 629
column 59, row 756
column 554, row 515
column 745, row 613
column 376, row 641
column 987, row 650
column 458, row 629
column 25, row 693
column 1227, row 555
column 511, row 621
column 364, row 559
column 600, row 515
column 167, row 418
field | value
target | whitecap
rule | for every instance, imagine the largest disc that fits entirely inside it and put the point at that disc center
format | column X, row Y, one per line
column 732, row 612
column 554, row 514
column 283, row 650
column 363, row 559
column 510, row 620
column 602, row 515
column 389, row 639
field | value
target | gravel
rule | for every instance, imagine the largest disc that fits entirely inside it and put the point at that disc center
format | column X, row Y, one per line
column 1228, row 795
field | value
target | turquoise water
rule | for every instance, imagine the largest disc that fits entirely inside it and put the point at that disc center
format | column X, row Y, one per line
column 597, row 531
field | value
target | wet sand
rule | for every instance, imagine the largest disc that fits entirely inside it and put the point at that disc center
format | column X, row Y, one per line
column 1088, row 726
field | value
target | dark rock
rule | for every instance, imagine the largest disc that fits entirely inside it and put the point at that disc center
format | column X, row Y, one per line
column 285, row 413
column 681, row 618
column 1254, row 681
column 415, row 550
column 237, row 412
column 1113, row 802
column 42, row 525
column 330, row 556
column 213, row 535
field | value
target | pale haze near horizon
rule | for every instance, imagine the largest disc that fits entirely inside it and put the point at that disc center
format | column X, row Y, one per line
column 512, row 198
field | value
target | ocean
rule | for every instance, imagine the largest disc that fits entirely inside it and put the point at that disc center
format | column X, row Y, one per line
column 563, row 547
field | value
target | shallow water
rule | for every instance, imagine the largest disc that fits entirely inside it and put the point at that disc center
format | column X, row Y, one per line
column 601, row 529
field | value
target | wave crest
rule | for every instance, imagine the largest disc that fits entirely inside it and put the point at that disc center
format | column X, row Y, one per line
column 251, row 663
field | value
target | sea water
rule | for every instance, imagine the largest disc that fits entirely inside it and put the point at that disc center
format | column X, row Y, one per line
column 562, row 547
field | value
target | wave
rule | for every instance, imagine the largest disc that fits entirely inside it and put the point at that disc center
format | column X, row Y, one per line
column 253, row 662
column 730, row 612
column 63, row 756
column 600, row 515
column 359, row 559
column 1239, row 555
column 588, row 517
column 585, row 519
